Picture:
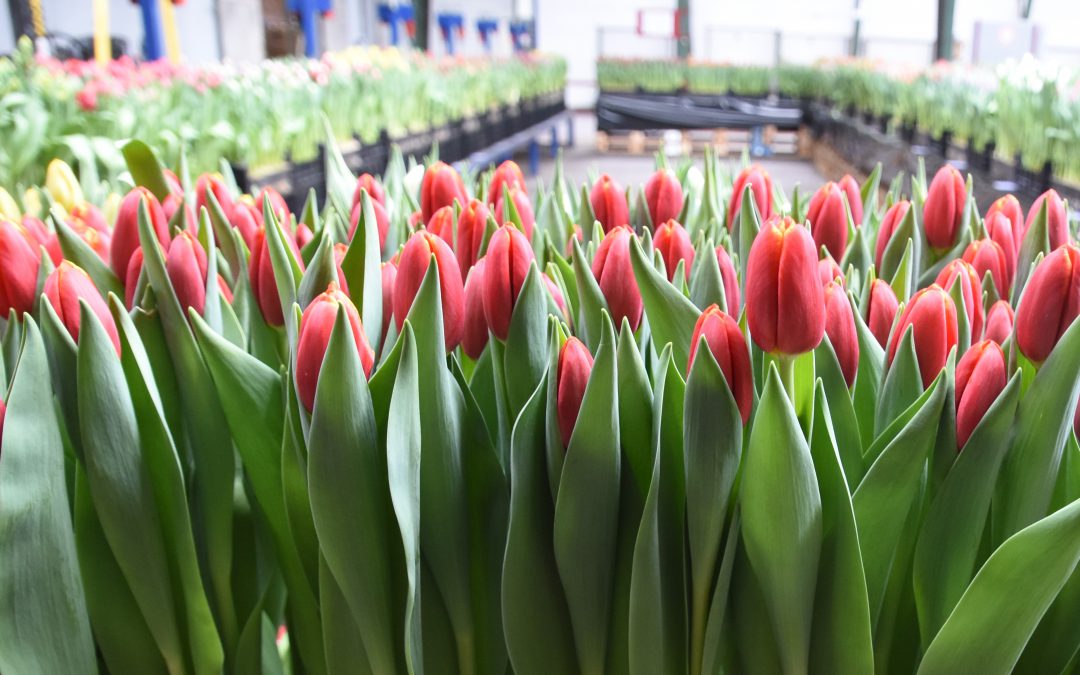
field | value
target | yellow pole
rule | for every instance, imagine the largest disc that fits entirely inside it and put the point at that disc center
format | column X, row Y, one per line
column 168, row 24
column 102, row 44
column 37, row 19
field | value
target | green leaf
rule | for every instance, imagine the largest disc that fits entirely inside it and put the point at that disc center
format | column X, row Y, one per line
column 44, row 626
column 746, row 228
column 948, row 545
column 1036, row 242
column 671, row 315
column 869, row 192
column 712, row 444
column 908, row 230
column 782, row 529
column 526, row 354
column 1019, row 582
column 635, row 409
column 587, row 511
column 79, row 252
column 842, row 639
column 903, row 383
column 588, row 323
column 362, row 270
column 340, row 181
column 867, row 381
column 145, row 168
column 842, row 416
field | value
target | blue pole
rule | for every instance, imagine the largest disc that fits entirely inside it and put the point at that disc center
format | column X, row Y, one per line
column 307, row 21
column 154, row 47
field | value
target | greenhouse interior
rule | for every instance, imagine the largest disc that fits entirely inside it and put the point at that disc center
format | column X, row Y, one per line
column 537, row 337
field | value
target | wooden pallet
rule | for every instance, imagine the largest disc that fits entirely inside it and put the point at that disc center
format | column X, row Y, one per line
column 722, row 141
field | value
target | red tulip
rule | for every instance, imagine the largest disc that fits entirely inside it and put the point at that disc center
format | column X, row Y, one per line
column 980, row 379
column 1001, row 233
column 19, row 265
column 261, row 277
column 893, row 217
column 575, row 365
column 87, row 222
column 854, row 197
column 508, row 174
column 175, row 202
column 881, row 311
column 277, row 205
column 944, row 207
column 508, row 258
column 970, row 289
column 68, row 284
column 247, row 220
column 316, row 326
column 475, row 335
column 186, row 266
column 829, row 271
column 125, row 237
column 3, row 414
column 1050, row 303
column 999, row 322
column 131, row 277
column 303, row 235
column 472, row 223
column 730, row 279
column 728, row 347
column 556, row 295
column 932, row 316
column 412, row 267
column 608, row 202
column 215, row 184
column 340, row 251
column 985, row 256
column 389, row 278
column 761, row 185
column 615, row 275
column 1009, row 207
column 673, row 242
column 382, row 221
column 663, row 196
column 366, row 181
column 840, row 327
column 524, row 209
column 1057, row 220
column 440, row 187
column 828, row 219
column 576, row 234
column 785, row 306
column 442, row 224
column 37, row 234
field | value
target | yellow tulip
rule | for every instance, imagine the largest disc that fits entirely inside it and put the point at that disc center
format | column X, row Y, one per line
column 9, row 209
column 111, row 208
column 32, row 200
column 62, row 184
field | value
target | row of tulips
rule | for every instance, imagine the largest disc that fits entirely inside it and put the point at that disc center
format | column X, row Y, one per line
column 445, row 425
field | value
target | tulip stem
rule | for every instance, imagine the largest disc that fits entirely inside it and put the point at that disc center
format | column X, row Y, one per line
column 786, row 365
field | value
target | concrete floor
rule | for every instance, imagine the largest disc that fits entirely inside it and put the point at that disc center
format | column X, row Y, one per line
column 633, row 170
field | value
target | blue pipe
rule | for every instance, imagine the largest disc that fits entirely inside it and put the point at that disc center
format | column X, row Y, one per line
column 154, row 41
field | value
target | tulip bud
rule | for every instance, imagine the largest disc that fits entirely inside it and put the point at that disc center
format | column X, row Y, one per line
column 728, row 347
column 316, row 326
column 131, row 277
column 840, row 327
column 442, row 224
column 172, row 182
column 186, row 266
column 828, row 219
column 508, row 258
column 893, row 217
column 366, row 181
column 944, row 207
column 87, row 222
column 19, row 265
column 761, row 187
column 412, row 267
column 673, row 242
column 970, row 289
column 730, row 279
column 829, row 271
column 440, row 187
column 615, row 275
column 508, row 174
column 247, row 219
column 663, row 196
column 62, row 184
column 303, row 235
column 985, row 256
column 68, row 284
column 980, row 379
column 125, row 236
column 1009, row 207
column 854, row 197
column 382, row 221
column 608, row 201
column 556, row 295
column 37, row 234
column 277, row 205
column 881, row 311
column 575, row 365
column 999, row 322
column 1001, row 233
column 1057, row 220
column 475, row 335
column 472, row 223
column 575, row 234
column 9, row 208
column 785, row 307
column 261, row 277
column 215, row 184
column 1049, row 304
column 932, row 316
column 340, row 251
column 174, row 202
column 524, row 209
column 389, row 278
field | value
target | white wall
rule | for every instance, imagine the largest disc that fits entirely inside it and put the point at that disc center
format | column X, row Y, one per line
column 502, row 10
